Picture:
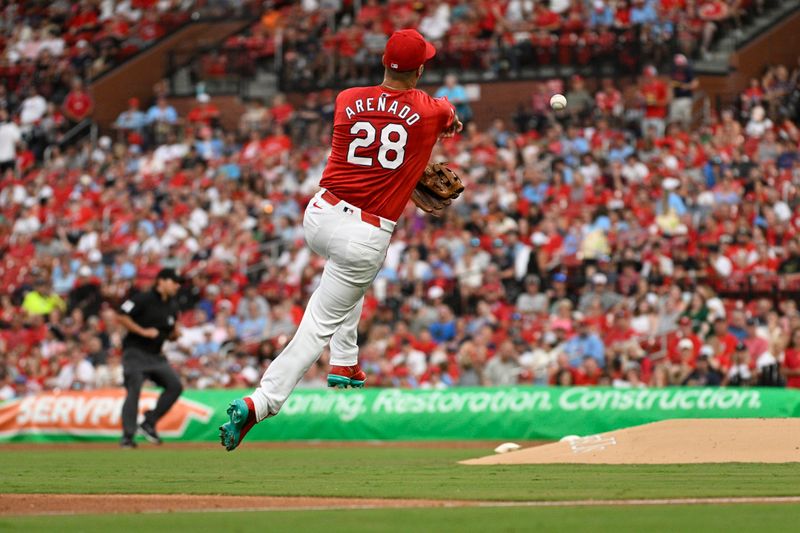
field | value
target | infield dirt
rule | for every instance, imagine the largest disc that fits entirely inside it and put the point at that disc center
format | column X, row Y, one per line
column 745, row 440
column 69, row 504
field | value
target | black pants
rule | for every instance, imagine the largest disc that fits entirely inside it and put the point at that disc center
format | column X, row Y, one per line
column 137, row 366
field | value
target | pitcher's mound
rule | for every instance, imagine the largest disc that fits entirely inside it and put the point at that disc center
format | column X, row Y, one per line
column 732, row 440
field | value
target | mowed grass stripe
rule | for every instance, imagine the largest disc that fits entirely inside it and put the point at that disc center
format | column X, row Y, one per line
column 706, row 518
column 374, row 473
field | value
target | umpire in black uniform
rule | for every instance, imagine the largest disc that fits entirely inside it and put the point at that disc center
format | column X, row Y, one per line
column 150, row 319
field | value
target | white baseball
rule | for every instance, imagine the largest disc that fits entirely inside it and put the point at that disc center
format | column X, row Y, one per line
column 558, row 102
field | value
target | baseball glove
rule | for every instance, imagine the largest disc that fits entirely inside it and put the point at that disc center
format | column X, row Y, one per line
column 437, row 188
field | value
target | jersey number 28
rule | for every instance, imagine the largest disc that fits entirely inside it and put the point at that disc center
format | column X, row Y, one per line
column 393, row 145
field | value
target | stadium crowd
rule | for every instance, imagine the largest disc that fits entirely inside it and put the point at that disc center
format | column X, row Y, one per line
column 49, row 41
column 602, row 245
column 316, row 44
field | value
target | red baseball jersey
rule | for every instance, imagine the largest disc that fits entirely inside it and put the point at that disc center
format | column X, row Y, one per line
column 382, row 141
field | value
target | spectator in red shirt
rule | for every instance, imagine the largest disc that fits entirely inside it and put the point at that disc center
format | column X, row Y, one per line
column 589, row 372
column 751, row 97
column 684, row 332
column 655, row 95
column 84, row 21
column 791, row 361
column 205, row 113
column 349, row 42
column 281, row 110
column 544, row 19
column 78, row 105
column 370, row 12
column 621, row 332
column 215, row 65
column 116, row 28
column 609, row 100
column 711, row 13
column 149, row 29
column 756, row 344
column 727, row 343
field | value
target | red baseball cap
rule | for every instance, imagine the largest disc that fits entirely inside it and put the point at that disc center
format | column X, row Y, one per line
column 407, row 50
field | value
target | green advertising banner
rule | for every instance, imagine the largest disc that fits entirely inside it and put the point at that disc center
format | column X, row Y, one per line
column 397, row 414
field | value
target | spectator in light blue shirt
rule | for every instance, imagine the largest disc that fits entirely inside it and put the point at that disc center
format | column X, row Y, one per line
column 559, row 165
column 457, row 95
column 676, row 204
column 63, row 277
column 620, row 152
column 643, row 12
column 601, row 15
column 535, row 193
column 387, row 273
column 602, row 223
column 208, row 346
column 254, row 327
column 444, row 329
column 123, row 268
column 208, row 146
column 443, row 268
column 571, row 243
column 231, row 170
column 162, row 112
column 147, row 226
column 287, row 208
column 574, row 145
column 131, row 119
column 585, row 343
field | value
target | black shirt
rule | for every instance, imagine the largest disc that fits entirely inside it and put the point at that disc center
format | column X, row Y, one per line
column 704, row 379
column 86, row 297
column 683, row 75
column 790, row 266
column 149, row 310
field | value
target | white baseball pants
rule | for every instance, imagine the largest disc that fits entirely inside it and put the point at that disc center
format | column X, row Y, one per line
column 355, row 251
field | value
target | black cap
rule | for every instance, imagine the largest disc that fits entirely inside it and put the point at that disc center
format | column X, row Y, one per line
column 169, row 273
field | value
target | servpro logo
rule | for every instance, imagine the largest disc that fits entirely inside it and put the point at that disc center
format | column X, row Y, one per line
column 91, row 413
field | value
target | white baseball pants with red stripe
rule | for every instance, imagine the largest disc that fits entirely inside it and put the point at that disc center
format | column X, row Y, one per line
column 355, row 251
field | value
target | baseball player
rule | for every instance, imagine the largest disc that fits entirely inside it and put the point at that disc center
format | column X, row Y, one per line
column 382, row 140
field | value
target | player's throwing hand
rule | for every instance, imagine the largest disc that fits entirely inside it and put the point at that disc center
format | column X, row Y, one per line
column 454, row 128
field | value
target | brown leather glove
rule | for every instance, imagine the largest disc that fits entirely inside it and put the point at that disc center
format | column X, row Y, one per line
column 437, row 188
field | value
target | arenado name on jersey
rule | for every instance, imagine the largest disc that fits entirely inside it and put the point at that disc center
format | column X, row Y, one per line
column 379, row 104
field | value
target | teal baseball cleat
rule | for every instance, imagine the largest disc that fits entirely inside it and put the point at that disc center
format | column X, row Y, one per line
column 242, row 417
column 341, row 377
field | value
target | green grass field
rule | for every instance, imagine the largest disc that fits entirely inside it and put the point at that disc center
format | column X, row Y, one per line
column 391, row 472
column 696, row 518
